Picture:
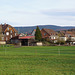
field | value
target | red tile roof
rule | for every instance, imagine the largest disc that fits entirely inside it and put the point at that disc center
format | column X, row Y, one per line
column 49, row 31
column 66, row 33
column 26, row 37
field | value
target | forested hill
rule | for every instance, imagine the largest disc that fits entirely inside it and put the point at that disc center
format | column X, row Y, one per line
column 29, row 29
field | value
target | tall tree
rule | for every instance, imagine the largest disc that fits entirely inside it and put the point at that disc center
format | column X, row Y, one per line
column 38, row 34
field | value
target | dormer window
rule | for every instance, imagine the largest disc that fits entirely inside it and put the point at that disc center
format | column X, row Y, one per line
column 8, row 28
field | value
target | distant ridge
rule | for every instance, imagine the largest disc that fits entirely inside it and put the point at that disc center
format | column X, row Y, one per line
column 30, row 28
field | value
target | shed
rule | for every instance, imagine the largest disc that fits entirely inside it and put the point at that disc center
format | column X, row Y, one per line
column 26, row 40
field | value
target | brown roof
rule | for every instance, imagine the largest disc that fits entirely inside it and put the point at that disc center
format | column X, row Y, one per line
column 62, row 31
column 49, row 31
column 13, row 28
column 4, row 26
column 66, row 33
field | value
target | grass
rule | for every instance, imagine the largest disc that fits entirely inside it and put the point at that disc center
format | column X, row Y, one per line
column 43, row 60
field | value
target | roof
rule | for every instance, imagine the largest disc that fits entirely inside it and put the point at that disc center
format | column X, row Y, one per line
column 26, row 37
column 21, row 34
column 4, row 27
column 34, row 30
column 69, row 32
column 49, row 31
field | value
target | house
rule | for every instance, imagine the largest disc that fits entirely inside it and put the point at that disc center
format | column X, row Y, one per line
column 72, row 38
column 26, row 40
column 49, row 33
column 63, row 38
column 68, row 36
column 67, row 33
column 7, row 32
column 23, row 40
column 33, row 32
column 22, row 35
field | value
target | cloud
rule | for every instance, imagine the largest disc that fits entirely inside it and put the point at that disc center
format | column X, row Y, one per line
column 59, row 12
column 24, row 12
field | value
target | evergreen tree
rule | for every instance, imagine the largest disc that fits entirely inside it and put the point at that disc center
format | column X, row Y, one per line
column 38, row 34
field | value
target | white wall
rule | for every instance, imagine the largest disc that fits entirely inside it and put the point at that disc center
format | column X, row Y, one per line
column 72, row 38
column 54, row 37
column 63, row 38
column 2, row 42
column 39, row 44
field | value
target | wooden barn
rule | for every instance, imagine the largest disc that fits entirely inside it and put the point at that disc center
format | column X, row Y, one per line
column 23, row 40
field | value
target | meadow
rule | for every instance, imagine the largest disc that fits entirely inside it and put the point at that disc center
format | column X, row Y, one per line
column 37, row 60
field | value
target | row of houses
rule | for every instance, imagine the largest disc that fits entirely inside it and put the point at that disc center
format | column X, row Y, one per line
column 9, row 34
column 66, row 36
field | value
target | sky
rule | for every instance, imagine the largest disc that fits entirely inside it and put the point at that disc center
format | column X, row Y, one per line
column 37, row 12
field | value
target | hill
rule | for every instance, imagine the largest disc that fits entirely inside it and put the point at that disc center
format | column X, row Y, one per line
column 29, row 29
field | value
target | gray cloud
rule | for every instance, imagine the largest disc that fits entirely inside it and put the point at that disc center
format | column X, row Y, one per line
column 58, row 12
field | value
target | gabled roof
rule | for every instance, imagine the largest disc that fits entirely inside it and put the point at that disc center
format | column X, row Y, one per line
column 67, row 33
column 4, row 27
column 26, row 37
column 49, row 31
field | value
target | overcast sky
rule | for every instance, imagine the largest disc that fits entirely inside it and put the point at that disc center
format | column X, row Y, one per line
column 37, row 12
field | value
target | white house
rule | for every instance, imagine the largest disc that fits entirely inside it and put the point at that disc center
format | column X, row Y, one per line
column 72, row 38
column 63, row 38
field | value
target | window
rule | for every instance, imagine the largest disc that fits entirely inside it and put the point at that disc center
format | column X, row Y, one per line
column 54, row 37
column 8, row 28
column 2, row 38
column 11, row 36
column 51, row 33
column 3, row 33
column 15, row 34
column 11, row 31
column 44, row 33
column 7, row 33
column 6, row 38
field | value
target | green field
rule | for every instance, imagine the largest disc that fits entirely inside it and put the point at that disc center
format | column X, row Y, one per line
column 51, row 60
